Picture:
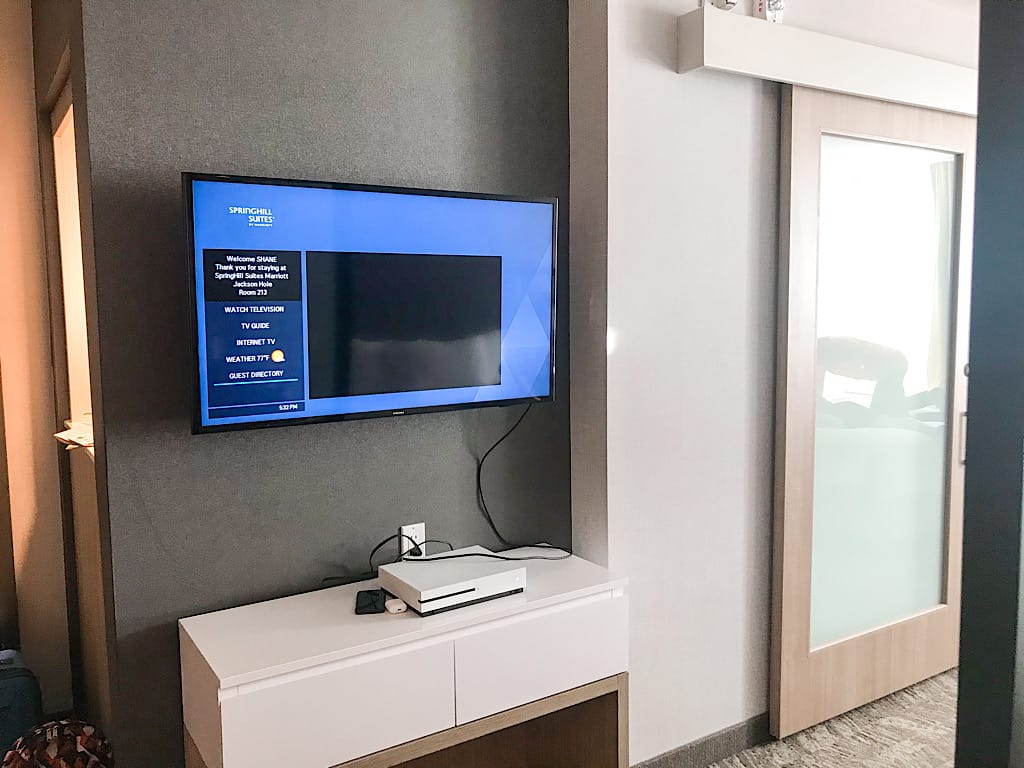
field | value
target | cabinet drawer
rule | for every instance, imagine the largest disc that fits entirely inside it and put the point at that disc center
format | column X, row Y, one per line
column 322, row 717
column 529, row 657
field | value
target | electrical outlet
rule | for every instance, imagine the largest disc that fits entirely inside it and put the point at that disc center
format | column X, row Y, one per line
column 417, row 532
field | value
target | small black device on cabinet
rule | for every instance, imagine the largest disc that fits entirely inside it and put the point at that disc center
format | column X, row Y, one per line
column 370, row 601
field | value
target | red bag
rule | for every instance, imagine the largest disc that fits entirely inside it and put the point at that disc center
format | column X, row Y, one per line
column 63, row 744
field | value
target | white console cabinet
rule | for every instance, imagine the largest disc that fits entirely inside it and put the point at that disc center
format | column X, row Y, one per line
column 304, row 682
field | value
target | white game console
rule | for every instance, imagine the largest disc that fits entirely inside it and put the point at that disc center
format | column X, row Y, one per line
column 429, row 585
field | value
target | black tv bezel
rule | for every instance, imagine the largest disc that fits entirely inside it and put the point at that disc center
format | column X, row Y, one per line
column 198, row 427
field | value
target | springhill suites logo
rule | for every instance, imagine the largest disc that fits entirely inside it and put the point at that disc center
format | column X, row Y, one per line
column 258, row 217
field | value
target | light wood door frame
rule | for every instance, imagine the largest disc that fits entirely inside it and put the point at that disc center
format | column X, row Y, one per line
column 809, row 686
column 53, row 109
column 8, row 590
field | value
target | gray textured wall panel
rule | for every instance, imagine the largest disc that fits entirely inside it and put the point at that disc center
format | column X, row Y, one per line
column 461, row 94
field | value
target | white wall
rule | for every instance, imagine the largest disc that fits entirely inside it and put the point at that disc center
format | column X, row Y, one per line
column 28, row 400
column 692, row 200
column 692, row 197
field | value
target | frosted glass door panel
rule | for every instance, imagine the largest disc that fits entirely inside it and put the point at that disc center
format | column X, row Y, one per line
column 884, row 301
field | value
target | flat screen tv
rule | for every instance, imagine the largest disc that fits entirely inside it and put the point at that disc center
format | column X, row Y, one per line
column 315, row 301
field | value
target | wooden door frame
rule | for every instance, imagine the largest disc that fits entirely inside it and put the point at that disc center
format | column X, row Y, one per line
column 59, row 97
column 9, row 635
column 69, row 72
column 809, row 686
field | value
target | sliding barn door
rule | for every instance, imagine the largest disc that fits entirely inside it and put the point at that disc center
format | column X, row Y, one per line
column 876, row 230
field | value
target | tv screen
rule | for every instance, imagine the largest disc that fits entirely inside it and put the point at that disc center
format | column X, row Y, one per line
column 315, row 301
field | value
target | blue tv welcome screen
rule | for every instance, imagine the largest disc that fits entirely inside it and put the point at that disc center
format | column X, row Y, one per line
column 317, row 301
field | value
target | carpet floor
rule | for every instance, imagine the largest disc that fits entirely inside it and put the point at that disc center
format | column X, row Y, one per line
column 914, row 728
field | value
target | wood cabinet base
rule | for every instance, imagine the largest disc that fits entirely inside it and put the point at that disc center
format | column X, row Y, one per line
column 586, row 727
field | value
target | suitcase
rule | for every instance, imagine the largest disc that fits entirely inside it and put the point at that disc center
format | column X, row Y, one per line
column 21, row 704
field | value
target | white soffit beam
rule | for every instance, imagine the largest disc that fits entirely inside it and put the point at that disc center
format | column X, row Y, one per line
column 745, row 45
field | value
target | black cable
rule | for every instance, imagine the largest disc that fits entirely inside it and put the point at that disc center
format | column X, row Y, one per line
column 338, row 581
column 481, row 498
column 490, row 556
column 429, row 541
column 424, row 558
column 372, row 573
column 403, row 555
column 376, row 549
